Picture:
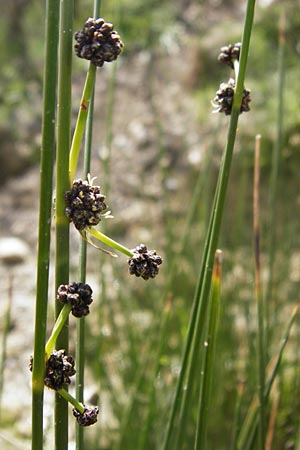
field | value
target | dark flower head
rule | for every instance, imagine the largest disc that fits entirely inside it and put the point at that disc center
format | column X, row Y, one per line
column 59, row 369
column 144, row 263
column 79, row 295
column 224, row 98
column 88, row 417
column 98, row 42
column 229, row 53
column 84, row 204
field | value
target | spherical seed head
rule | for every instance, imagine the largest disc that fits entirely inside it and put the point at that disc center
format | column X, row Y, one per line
column 98, row 42
column 229, row 53
column 59, row 369
column 88, row 417
column 144, row 263
column 84, row 204
column 224, row 98
column 79, row 295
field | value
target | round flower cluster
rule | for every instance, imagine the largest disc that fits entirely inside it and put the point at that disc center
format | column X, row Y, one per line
column 144, row 263
column 98, row 42
column 84, row 204
column 229, row 53
column 224, row 98
column 79, row 295
column 59, row 369
column 88, row 417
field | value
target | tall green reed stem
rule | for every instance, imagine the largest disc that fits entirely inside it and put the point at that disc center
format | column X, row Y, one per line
column 207, row 368
column 80, row 324
column 46, row 188
column 259, row 300
column 195, row 330
column 62, row 185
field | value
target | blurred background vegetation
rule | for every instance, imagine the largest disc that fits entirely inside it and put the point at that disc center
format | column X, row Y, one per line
column 167, row 145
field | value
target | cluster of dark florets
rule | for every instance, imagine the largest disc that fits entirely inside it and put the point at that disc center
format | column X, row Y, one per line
column 224, row 98
column 144, row 263
column 59, row 369
column 98, row 42
column 88, row 417
column 84, row 204
column 78, row 295
column 229, row 53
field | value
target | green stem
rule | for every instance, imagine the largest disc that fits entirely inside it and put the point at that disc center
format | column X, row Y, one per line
column 195, row 333
column 81, row 120
column 108, row 241
column 46, row 188
column 259, row 301
column 62, row 185
column 207, row 369
column 80, row 324
column 70, row 399
column 58, row 326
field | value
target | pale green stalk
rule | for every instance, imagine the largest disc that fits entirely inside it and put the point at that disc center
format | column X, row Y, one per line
column 108, row 241
column 70, row 399
column 81, row 121
column 58, row 326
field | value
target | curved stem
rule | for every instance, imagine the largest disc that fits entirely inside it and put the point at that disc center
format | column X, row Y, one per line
column 70, row 399
column 43, row 258
column 81, row 120
column 108, row 241
column 58, row 326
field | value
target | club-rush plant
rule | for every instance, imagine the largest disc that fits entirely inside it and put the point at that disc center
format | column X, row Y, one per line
column 84, row 206
column 232, row 99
